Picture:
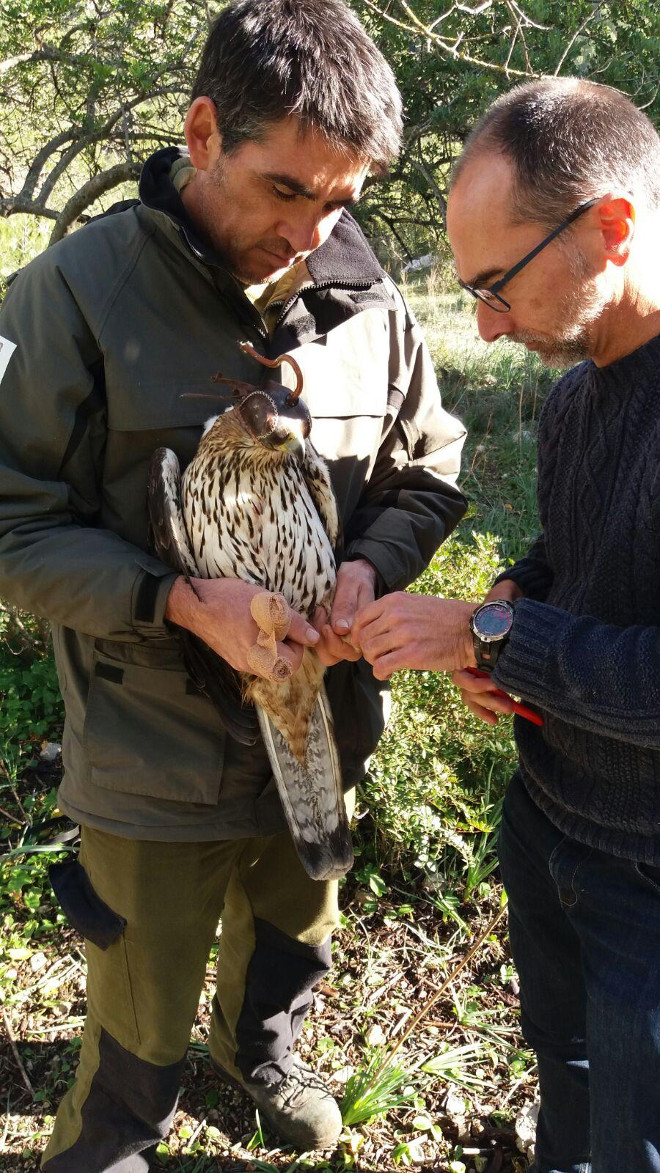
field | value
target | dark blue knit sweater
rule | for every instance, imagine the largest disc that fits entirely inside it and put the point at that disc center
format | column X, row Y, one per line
column 585, row 643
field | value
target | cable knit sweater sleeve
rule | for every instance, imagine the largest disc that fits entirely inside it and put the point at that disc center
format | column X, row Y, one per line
column 594, row 675
column 585, row 643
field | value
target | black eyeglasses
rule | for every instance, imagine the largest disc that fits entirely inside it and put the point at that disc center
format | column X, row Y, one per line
column 491, row 294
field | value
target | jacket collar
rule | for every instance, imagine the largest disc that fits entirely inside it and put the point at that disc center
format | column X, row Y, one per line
column 345, row 258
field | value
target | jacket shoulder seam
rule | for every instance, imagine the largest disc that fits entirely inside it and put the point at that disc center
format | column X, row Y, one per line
column 145, row 235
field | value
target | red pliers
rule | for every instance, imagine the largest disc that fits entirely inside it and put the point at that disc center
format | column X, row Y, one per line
column 521, row 710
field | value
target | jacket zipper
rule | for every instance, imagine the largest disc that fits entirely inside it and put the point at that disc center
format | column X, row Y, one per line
column 286, row 306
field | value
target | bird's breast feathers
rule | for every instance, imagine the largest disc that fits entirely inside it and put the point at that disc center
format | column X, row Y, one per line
column 258, row 522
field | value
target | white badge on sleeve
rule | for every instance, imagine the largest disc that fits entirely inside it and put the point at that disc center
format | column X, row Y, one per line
column 7, row 348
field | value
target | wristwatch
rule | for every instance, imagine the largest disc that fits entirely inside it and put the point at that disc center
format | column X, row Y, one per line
column 490, row 626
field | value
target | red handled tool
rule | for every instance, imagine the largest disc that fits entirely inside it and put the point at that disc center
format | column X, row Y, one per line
column 521, row 710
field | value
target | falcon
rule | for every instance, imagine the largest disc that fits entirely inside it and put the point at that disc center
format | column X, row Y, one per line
column 256, row 503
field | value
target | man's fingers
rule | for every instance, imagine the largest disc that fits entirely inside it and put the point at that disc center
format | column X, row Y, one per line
column 355, row 588
column 366, row 616
column 341, row 647
column 291, row 651
column 483, row 691
column 469, row 682
column 344, row 607
column 319, row 619
column 375, row 645
column 384, row 666
column 332, row 648
column 301, row 631
column 479, row 711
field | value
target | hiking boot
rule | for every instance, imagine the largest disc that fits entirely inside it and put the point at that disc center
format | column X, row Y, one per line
column 299, row 1107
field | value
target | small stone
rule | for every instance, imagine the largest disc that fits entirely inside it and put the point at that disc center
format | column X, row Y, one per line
column 50, row 751
column 525, row 1129
column 375, row 1036
column 455, row 1106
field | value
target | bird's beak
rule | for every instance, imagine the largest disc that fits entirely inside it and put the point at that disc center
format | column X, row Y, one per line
column 294, row 446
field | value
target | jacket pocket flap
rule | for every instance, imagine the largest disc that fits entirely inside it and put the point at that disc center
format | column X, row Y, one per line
column 154, row 408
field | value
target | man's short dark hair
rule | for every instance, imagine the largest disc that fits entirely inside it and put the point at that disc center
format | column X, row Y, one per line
column 266, row 59
column 569, row 140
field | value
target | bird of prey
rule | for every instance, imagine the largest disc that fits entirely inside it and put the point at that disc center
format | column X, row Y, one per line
column 256, row 503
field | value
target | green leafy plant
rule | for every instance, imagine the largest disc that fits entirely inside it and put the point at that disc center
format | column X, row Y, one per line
column 456, row 1065
column 375, row 1090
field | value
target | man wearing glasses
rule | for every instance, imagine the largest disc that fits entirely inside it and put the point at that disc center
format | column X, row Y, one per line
column 554, row 220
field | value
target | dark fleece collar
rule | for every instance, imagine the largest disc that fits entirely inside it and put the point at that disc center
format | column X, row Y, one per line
column 345, row 258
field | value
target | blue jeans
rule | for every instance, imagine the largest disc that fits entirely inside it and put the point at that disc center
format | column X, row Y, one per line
column 585, row 938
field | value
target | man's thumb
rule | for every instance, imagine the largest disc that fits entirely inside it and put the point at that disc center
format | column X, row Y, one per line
column 301, row 630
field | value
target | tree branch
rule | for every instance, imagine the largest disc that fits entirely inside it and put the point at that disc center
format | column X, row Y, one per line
column 447, row 45
column 13, row 205
column 89, row 192
column 575, row 36
column 420, row 165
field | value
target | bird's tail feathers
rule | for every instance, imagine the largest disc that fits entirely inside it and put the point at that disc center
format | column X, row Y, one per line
column 290, row 703
column 312, row 793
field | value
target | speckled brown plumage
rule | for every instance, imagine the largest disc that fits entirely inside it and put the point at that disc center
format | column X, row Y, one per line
column 247, row 508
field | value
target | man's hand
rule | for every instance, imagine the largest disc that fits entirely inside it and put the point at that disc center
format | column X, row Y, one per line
column 217, row 610
column 506, row 589
column 482, row 696
column 356, row 583
column 478, row 692
column 414, row 631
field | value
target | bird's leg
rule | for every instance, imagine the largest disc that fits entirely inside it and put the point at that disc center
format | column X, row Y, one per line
column 272, row 617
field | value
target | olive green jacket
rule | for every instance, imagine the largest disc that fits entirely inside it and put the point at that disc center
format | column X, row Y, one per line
column 110, row 327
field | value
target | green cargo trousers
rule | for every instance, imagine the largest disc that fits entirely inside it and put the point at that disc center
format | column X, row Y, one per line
column 143, row 987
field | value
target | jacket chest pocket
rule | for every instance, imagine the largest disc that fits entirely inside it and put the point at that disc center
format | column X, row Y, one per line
column 148, row 731
column 345, row 387
column 157, row 417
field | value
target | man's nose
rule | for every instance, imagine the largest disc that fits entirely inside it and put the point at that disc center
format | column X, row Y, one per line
column 304, row 233
column 492, row 325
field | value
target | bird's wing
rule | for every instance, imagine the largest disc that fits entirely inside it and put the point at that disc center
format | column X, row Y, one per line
column 212, row 675
column 317, row 477
column 312, row 794
column 168, row 534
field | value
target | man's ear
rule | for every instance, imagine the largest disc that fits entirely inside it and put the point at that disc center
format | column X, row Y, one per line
column 616, row 216
column 202, row 135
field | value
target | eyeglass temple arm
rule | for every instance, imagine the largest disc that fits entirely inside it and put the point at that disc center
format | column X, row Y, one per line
column 495, row 288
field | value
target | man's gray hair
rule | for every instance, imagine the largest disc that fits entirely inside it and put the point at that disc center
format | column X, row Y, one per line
column 569, row 140
column 266, row 59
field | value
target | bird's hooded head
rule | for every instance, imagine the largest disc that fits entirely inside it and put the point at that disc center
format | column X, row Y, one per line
column 272, row 415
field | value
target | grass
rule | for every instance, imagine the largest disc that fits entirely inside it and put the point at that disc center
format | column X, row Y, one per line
column 424, row 888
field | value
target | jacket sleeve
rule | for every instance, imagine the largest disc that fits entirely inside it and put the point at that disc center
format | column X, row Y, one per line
column 600, row 677
column 411, row 503
column 55, row 560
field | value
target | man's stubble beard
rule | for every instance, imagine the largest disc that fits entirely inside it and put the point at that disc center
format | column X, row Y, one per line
column 581, row 308
column 233, row 258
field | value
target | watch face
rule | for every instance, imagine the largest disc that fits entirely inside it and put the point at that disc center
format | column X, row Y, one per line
column 493, row 621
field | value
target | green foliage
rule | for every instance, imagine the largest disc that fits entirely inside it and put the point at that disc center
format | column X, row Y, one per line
column 435, row 784
column 378, row 1088
column 452, row 61
column 457, row 1065
column 29, row 698
column 85, row 88
column 30, row 702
